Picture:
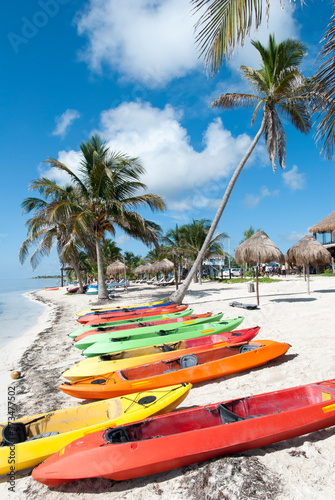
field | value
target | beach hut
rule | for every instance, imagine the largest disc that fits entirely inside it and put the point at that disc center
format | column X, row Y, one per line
column 326, row 228
column 256, row 250
column 306, row 252
column 117, row 268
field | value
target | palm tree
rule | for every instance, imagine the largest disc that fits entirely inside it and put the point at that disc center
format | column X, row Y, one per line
column 193, row 238
column 172, row 242
column 107, row 184
column 325, row 108
column 280, row 88
column 248, row 233
column 226, row 23
column 45, row 228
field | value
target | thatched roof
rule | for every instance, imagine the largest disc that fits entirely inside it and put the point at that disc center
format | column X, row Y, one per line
column 116, row 267
column 325, row 225
column 148, row 268
column 258, row 249
column 164, row 265
column 140, row 269
column 308, row 251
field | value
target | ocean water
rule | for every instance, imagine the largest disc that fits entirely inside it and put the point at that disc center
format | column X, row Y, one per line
column 17, row 313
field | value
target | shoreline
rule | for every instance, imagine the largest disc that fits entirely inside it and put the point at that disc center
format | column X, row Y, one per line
column 288, row 470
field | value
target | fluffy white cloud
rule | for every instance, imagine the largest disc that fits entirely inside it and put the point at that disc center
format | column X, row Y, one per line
column 293, row 179
column 150, row 41
column 252, row 201
column 173, row 166
column 64, row 121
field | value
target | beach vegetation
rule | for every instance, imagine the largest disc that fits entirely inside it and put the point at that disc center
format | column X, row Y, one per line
column 48, row 226
column 106, row 198
column 280, row 90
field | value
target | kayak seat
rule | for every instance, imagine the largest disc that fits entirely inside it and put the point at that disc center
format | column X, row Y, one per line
column 120, row 339
column 99, row 381
column 117, row 435
column 44, row 435
column 247, row 348
column 227, row 416
column 13, row 433
column 188, row 361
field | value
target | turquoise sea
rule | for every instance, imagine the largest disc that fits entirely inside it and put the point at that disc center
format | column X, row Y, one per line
column 17, row 313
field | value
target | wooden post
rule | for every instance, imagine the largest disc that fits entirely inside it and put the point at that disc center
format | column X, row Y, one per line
column 308, row 291
column 257, row 291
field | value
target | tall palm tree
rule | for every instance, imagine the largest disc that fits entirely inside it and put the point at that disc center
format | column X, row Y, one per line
column 280, row 89
column 45, row 228
column 224, row 24
column 107, row 184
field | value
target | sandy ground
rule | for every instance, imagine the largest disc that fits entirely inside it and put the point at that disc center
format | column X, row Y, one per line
column 296, row 469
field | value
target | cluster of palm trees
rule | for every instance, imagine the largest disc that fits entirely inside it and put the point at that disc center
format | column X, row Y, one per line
column 182, row 245
column 101, row 197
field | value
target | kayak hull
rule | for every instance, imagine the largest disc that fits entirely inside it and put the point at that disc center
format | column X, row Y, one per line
column 99, row 365
column 150, row 330
column 119, row 322
column 122, row 308
column 207, row 317
column 193, row 435
column 212, row 363
column 76, row 422
column 129, row 314
column 187, row 332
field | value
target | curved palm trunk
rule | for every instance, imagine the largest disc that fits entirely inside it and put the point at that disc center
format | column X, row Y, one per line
column 77, row 273
column 102, row 289
column 178, row 296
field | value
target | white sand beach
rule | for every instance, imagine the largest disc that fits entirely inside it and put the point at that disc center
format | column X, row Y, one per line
column 296, row 469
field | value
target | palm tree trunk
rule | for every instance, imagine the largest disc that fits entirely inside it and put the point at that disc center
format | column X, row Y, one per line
column 77, row 272
column 102, row 289
column 178, row 296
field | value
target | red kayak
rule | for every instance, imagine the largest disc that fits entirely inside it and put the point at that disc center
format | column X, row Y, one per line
column 130, row 314
column 193, row 435
column 143, row 324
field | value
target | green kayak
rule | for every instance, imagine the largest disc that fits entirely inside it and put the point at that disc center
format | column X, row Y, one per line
column 86, row 328
column 187, row 332
column 145, row 330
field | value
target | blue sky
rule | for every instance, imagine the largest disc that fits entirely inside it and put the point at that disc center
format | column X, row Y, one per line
column 129, row 70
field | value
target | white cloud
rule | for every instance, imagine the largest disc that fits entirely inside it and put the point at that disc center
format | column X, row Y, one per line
column 64, row 121
column 293, row 236
column 252, row 201
column 173, row 166
column 293, row 179
column 150, row 41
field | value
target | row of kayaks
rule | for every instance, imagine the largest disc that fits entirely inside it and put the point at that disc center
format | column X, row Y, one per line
column 140, row 363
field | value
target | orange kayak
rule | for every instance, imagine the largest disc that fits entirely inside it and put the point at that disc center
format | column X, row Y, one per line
column 189, row 365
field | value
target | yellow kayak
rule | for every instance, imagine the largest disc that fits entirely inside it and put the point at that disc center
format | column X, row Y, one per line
column 28, row 441
column 113, row 308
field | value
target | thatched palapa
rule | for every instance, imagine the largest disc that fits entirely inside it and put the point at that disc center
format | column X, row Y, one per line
column 256, row 250
column 117, row 267
column 326, row 225
column 308, row 251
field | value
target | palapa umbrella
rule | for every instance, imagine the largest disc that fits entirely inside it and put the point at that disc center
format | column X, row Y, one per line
column 258, row 249
column 308, row 251
column 117, row 268
column 140, row 269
